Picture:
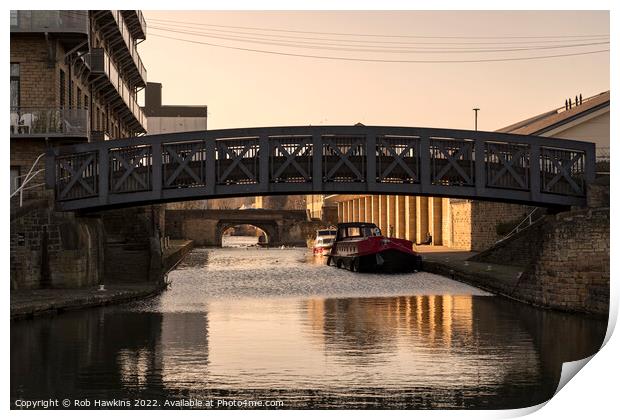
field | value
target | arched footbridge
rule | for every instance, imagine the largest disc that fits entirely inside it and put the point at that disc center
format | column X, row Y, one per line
column 321, row 160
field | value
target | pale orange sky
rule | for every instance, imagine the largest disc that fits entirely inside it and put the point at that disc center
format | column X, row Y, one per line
column 249, row 89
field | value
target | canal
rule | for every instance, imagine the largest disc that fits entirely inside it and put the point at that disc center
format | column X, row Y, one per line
column 277, row 324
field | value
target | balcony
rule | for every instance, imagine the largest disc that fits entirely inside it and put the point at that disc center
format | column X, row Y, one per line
column 49, row 122
column 136, row 23
column 51, row 21
column 109, row 81
column 120, row 34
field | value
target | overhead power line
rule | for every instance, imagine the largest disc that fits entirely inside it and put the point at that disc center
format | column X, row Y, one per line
column 381, row 35
column 381, row 60
column 366, row 41
column 343, row 47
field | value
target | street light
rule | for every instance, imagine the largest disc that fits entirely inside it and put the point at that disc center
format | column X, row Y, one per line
column 476, row 118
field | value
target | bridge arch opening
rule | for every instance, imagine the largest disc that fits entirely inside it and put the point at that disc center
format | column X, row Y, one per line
column 243, row 235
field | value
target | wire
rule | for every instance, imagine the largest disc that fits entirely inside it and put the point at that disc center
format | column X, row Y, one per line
column 382, row 35
column 380, row 60
column 335, row 47
column 392, row 42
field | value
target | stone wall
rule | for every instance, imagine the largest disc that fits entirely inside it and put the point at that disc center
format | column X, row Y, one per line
column 474, row 223
column 50, row 249
column 565, row 260
column 61, row 249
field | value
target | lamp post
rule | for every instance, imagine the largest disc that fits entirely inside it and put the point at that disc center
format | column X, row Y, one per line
column 476, row 118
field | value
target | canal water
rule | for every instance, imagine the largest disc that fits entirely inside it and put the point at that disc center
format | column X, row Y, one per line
column 277, row 324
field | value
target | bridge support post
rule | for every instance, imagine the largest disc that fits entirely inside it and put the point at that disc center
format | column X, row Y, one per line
column 263, row 163
column 317, row 162
column 104, row 175
column 210, row 165
column 535, row 172
column 157, row 169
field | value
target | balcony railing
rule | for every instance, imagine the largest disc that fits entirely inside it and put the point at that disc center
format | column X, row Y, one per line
column 65, row 21
column 100, row 63
column 136, row 22
column 129, row 43
column 49, row 122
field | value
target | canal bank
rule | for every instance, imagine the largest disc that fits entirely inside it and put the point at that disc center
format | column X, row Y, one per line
column 28, row 303
column 560, row 263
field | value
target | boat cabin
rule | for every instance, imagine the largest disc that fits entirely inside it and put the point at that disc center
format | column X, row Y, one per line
column 357, row 230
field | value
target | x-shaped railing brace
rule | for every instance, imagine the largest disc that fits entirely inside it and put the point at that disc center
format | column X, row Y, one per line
column 507, row 166
column 183, row 164
column 398, row 159
column 452, row 162
column 129, row 168
column 290, row 159
column 563, row 169
column 344, row 159
column 76, row 176
column 236, row 162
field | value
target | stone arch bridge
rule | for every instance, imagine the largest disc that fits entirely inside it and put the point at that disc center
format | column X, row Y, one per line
column 321, row 159
column 206, row 227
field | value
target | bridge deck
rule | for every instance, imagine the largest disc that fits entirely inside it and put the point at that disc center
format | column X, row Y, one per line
column 321, row 159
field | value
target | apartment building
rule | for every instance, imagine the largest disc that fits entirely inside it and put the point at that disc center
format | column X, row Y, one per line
column 75, row 77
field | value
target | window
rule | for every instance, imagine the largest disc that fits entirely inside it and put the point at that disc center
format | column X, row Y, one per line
column 14, row 85
column 85, row 101
column 70, row 93
column 14, row 178
column 62, row 89
column 78, row 96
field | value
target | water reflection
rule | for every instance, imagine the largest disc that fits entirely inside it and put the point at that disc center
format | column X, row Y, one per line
column 409, row 351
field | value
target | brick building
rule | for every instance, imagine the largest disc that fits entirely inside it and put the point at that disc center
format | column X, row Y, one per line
column 75, row 76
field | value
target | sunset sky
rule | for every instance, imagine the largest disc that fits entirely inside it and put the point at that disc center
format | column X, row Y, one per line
column 248, row 88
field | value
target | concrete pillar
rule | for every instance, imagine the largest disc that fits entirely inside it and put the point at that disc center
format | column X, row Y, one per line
column 437, row 221
column 446, row 229
column 368, row 208
column 401, row 231
column 421, row 204
column 356, row 209
column 361, row 205
column 349, row 211
column 340, row 213
column 410, row 218
column 383, row 214
column 375, row 209
column 391, row 216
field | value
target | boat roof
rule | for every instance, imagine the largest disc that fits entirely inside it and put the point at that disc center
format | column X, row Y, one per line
column 356, row 224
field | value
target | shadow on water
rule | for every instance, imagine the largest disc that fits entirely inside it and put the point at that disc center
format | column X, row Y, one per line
column 388, row 352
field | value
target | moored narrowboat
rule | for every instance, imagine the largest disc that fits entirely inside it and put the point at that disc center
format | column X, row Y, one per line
column 323, row 241
column 360, row 246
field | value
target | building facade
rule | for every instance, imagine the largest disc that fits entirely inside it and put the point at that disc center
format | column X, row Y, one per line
column 171, row 118
column 75, row 77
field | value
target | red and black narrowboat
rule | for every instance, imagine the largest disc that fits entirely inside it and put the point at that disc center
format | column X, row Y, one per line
column 360, row 246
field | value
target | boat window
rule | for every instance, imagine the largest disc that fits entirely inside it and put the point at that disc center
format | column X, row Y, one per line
column 354, row 231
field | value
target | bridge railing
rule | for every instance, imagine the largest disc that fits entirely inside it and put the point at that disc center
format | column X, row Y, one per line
column 303, row 160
